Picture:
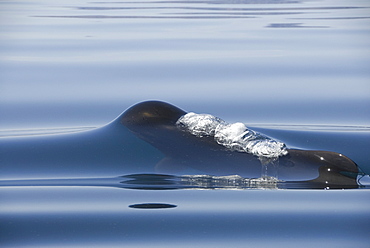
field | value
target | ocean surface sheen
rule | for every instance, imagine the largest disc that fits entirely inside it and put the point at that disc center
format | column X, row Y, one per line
column 296, row 71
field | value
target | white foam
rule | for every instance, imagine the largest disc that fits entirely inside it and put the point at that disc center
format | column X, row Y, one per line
column 236, row 136
column 199, row 124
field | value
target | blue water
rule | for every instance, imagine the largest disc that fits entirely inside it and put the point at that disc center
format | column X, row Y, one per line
column 297, row 71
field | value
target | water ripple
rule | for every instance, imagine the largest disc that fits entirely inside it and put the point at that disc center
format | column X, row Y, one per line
column 206, row 10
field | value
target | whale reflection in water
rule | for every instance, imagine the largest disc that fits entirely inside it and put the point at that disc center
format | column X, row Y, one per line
column 154, row 138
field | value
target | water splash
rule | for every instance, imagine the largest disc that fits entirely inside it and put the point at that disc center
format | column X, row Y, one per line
column 269, row 170
column 200, row 124
column 237, row 137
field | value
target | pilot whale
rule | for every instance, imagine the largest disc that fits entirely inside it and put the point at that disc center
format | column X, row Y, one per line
column 155, row 122
column 146, row 138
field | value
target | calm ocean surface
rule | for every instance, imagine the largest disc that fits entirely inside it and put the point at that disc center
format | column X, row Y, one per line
column 298, row 71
